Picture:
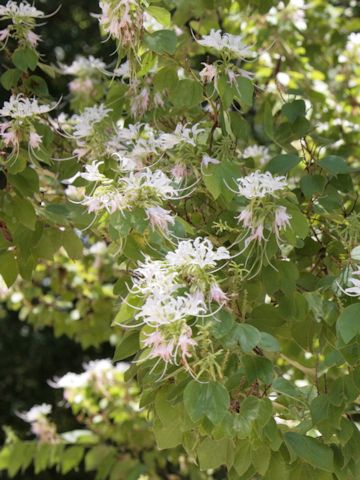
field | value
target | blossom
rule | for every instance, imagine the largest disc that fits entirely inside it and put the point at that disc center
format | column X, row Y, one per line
column 4, row 34
column 354, row 291
column 208, row 73
column 282, row 219
column 83, row 85
column 19, row 106
column 91, row 174
column 259, row 185
column 83, row 123
column 246, row 217
column 140, row 103
column 217, row 294
column 258, row 152
column 20, row 10
column 257, row 234
column 84, row 66
column 199, row 252
column 34, row 139
column 226, row 42
column 36, row 413
column 185, row 342
column 32, row 38
column 206, row 160
column 182, row 133
column 159, row 218
column 123, row 21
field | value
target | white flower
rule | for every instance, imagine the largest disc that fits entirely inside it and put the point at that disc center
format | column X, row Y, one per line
column 217, row 294
column 83, row 66
column 140, row 103
column 4, row 34
column 164, row 310
column 156, row 181
column 123, row 21
column 18, row 107
column 124, row 70
column 246, row 217
column 91, row 174
column 226, row 42
column 208, row 73
column 33, row 38
column 182, row 133
column 282, row 219
column 20, row 10
column 83, row 124
column 207, row 160
column 36, row 413
column 71, row 381
column 154, row 276
column 355, row 290
column 258, row 152
column 159, row 218
column 35, row 139
column 199, row 252
column 259, row 185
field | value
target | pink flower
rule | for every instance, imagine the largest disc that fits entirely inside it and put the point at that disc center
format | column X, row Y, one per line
column 185, row 342
column 257, row 234
column 179, row 171
column 140, row 103
column 33, row 38
column 282, row 219
column 208, row 73
column 164, row 351
column 35, row 140
column 158, row 100
column 154, row 339
column 4, row 34
column 81, row 86
column 159, row 218
column 217, row 294
column 245, row 217
column 11, row 138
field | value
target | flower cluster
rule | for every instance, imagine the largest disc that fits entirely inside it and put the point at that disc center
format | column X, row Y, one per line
column 122, row 20
column 175, row 290
column 263, row 212
column 22, row 112
column 23, row 17
column 226, row 43
column 37, row 416
column 257, row 152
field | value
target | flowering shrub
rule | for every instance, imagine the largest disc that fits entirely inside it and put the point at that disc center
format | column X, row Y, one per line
column 216, row 159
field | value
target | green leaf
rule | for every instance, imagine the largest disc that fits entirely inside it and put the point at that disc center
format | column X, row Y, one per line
column 247, row 336
column 258, row 368
column 188, row 93
column 24, row 212
column 213, row 181
column 160, row 14
column 348, row 323
column 260, row 458
column 311, row 450
column 71, row 458
column 268, row 342
column 72, row 244
column 283, row 163
column 168, row 436
column 293, row 110
column 311, row 184
column 242, row 457
column 335, row 165
column 209, row 400
column 10, row 78
column 8, row 268
column 128, row 346
column 239, row 126
column 245, row 90
column 25, row 59
column 213, row 453
column 162, row 41
column 268, row 120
